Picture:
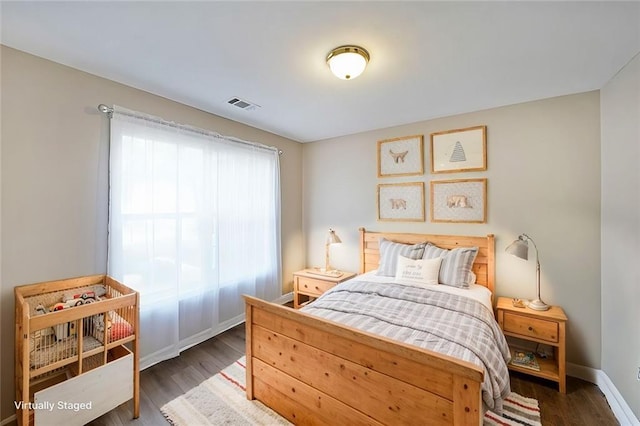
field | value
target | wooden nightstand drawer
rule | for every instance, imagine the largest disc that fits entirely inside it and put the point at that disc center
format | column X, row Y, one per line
column 531, row 327
column 312, row 286
column 309, row 284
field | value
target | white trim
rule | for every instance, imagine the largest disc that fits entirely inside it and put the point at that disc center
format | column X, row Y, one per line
column 208, row 334
column 581, row 372
column 156, row 357
column 285, row 298
column 618, row 405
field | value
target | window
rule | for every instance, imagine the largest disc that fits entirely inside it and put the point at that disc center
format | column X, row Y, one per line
column 193, row 224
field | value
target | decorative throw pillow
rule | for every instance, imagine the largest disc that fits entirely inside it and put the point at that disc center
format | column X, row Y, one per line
column 422, row 272
column 389, row 252
column 455, row 269
column 120, row 330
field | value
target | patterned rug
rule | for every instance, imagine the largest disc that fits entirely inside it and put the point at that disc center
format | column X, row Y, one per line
column 221, row 400
column 517, row 411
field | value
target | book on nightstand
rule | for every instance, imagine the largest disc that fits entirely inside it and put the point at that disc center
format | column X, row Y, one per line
column 525, row 359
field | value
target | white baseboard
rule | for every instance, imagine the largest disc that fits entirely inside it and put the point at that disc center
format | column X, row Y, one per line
column 618, row 405
column 285, row 298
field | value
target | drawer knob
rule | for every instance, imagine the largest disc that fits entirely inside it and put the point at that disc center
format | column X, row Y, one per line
column 530, row 328
column 317, row 288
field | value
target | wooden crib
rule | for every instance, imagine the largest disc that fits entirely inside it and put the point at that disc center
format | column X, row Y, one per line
column 76, row 349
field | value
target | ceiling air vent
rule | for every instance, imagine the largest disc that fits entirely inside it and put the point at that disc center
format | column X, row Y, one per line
column 242, row 104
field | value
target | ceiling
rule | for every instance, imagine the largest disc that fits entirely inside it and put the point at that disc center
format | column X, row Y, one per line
column 428, row 59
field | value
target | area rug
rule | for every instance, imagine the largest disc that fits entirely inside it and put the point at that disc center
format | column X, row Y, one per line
column 517, row 411
column 221, row 400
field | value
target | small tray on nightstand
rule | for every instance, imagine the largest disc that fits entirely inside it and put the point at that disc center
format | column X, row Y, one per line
column 332, row 274
column 519, row 303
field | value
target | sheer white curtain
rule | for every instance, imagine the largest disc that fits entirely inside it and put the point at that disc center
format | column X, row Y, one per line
column 194, row 223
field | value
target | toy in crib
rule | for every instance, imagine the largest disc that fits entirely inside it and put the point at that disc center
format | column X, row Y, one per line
column 98, row 323
column 64, row 305
column 40, row 337
column 94, row 293
column 80, row 297
column 116, row 328
column 83, row 296
column 102, row 331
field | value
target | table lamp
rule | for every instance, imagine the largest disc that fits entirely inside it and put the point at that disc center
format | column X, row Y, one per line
column 332, row 238
column 520, row 248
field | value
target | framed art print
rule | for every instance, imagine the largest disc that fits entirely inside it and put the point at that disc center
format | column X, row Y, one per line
column 401, row 156
column 461, row 200
column 461, row 150
column 401, row 202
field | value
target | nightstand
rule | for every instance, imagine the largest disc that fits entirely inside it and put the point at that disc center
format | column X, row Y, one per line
column 545, row 327
column 309, row 284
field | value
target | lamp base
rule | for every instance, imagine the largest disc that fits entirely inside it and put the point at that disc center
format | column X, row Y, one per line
column 538, row 305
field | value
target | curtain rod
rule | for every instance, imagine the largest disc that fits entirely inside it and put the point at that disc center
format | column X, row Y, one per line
column 109, row 111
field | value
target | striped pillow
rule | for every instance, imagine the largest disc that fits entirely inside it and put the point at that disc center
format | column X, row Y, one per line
column 389, row 252
column 455, row 269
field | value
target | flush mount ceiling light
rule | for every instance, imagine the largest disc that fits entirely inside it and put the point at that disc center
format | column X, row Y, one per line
column 347, row 62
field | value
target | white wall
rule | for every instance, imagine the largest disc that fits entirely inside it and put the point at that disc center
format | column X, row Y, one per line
column 54, row 178
column 543, row 179
column 620, row 117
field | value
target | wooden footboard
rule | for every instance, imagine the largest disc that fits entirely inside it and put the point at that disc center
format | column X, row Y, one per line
column 314, row 371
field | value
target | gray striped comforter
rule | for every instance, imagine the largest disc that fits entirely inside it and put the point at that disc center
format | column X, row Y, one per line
column 449, row 324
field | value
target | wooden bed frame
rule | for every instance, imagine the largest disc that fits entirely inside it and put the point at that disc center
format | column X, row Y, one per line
column 315, row 371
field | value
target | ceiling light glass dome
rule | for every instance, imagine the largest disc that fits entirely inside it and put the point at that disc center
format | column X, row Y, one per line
column 347, row 62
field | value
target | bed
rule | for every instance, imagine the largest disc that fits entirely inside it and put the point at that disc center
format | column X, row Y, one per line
column 314, row 370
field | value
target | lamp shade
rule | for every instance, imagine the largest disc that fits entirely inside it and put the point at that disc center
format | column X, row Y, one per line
column 347, row 62
column 519, row 248
column 332, row 237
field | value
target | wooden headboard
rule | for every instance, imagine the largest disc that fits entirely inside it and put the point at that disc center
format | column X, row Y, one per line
column 483, row 267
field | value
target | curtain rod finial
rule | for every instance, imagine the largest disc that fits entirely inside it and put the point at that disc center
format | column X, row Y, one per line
column 105, row 109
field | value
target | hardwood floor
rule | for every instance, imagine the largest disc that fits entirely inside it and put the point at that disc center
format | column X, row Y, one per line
column 583, row 404
column 169, row 379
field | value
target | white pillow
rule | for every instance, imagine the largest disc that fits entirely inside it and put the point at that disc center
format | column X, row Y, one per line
column 422, row 272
